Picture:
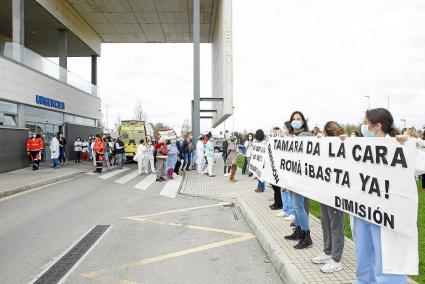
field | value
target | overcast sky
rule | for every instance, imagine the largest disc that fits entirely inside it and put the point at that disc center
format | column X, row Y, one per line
column 319, row 57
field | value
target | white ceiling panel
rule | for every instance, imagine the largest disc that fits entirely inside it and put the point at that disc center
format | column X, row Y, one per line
column 121, row 18
column 145, row 20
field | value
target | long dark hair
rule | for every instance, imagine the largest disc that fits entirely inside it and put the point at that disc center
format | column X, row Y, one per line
column 247, row 136
column 384, row 117
column 259, row 135
column 305, row 126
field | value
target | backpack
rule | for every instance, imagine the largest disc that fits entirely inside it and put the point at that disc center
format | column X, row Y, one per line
column 163, row 149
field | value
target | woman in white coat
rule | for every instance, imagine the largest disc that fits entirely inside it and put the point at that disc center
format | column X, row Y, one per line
column 149, row 158
column 54, row 152
column 200, row 154
column 140, row 157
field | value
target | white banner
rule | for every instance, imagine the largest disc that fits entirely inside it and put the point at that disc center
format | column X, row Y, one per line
column 258, row 157
column 372, row 179
column 168, row 134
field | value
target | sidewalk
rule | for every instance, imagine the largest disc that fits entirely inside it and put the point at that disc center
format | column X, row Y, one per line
column 25, row 179
column 294, row 266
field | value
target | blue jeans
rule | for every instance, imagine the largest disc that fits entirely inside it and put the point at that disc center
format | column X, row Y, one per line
column 367, row 239
column 287, row 203
column 120, row 159
column 186, row 158
column 261, row 185
column 301, row 217
column 56, row 163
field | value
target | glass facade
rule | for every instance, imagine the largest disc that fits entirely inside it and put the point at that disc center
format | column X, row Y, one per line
column 8, row 114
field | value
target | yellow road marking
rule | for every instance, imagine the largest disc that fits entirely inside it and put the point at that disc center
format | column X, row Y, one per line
column 208, row 229
column 140, row 263
column 123, row 281
column 137, row 264
column 8, row 197
column 180, row 210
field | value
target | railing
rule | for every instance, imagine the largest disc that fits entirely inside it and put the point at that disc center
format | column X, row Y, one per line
column 27, row 57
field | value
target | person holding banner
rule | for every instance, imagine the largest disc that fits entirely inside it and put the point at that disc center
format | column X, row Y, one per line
column 300, row 203
column 332, row 221
column 287, row 210
column 259, row 138
column 367, row 236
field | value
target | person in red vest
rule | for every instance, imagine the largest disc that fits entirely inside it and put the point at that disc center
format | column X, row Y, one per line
column 99, row 149
column 34, row 148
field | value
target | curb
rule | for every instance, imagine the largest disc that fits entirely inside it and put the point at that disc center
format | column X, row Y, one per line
column 38, row 184
column 288, row 272
column 286, row 269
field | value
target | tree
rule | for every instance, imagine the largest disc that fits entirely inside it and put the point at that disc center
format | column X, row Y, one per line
column 159, row 126
column 350, row 128
column 186, row 129
column 139, row 113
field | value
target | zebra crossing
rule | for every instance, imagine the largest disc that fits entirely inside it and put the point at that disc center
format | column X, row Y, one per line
column 125, row 175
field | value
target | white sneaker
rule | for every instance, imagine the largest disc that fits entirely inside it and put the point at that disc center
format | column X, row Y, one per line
column 290, row 218
column 331, row 267
column 227, row 175
column 281, row 214
column 323, row 258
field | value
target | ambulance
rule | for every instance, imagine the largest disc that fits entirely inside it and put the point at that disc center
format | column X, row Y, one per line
column 132, row 132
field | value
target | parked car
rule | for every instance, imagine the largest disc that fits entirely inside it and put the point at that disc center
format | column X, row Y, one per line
column 218, row 145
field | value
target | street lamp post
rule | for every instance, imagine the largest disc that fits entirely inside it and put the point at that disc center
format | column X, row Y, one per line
column 404, row 122
column 107, row 117
column 233, row 120
column 368, row 101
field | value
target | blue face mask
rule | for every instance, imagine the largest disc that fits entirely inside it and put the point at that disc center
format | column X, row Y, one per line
column 366, row 132
column 296, row 124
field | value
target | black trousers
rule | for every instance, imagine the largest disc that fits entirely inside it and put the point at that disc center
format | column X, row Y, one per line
column 99, row 165
column 423, row 181
column 277, row 196
column 35, row 159
column 77, row 156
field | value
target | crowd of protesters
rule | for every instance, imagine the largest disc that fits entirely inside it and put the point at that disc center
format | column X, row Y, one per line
column 166, row 158
column 295, row 207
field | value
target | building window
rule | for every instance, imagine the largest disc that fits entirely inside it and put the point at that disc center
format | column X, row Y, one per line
column 69, row 118
column 55, row 116
column 90, row 122
column 35, row 112
column 8, row 107
column 79, row 120
column 8, row 114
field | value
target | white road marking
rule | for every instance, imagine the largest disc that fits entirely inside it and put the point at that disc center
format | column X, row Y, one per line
column 146, row 182
column 114, row 173
column 91, row 173
column 172, row 187
column 128, row 177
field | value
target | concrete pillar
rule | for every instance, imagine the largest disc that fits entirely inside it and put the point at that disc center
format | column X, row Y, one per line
column 63, row 54
column 21, row 116
column 94, row 69
column 18, row 21
column 196, row 70
column 63, row 48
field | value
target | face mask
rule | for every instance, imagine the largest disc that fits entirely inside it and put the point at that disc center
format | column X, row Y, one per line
column 366, row 132
column 250, row 137
column 33, row 136
column 296, row 124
